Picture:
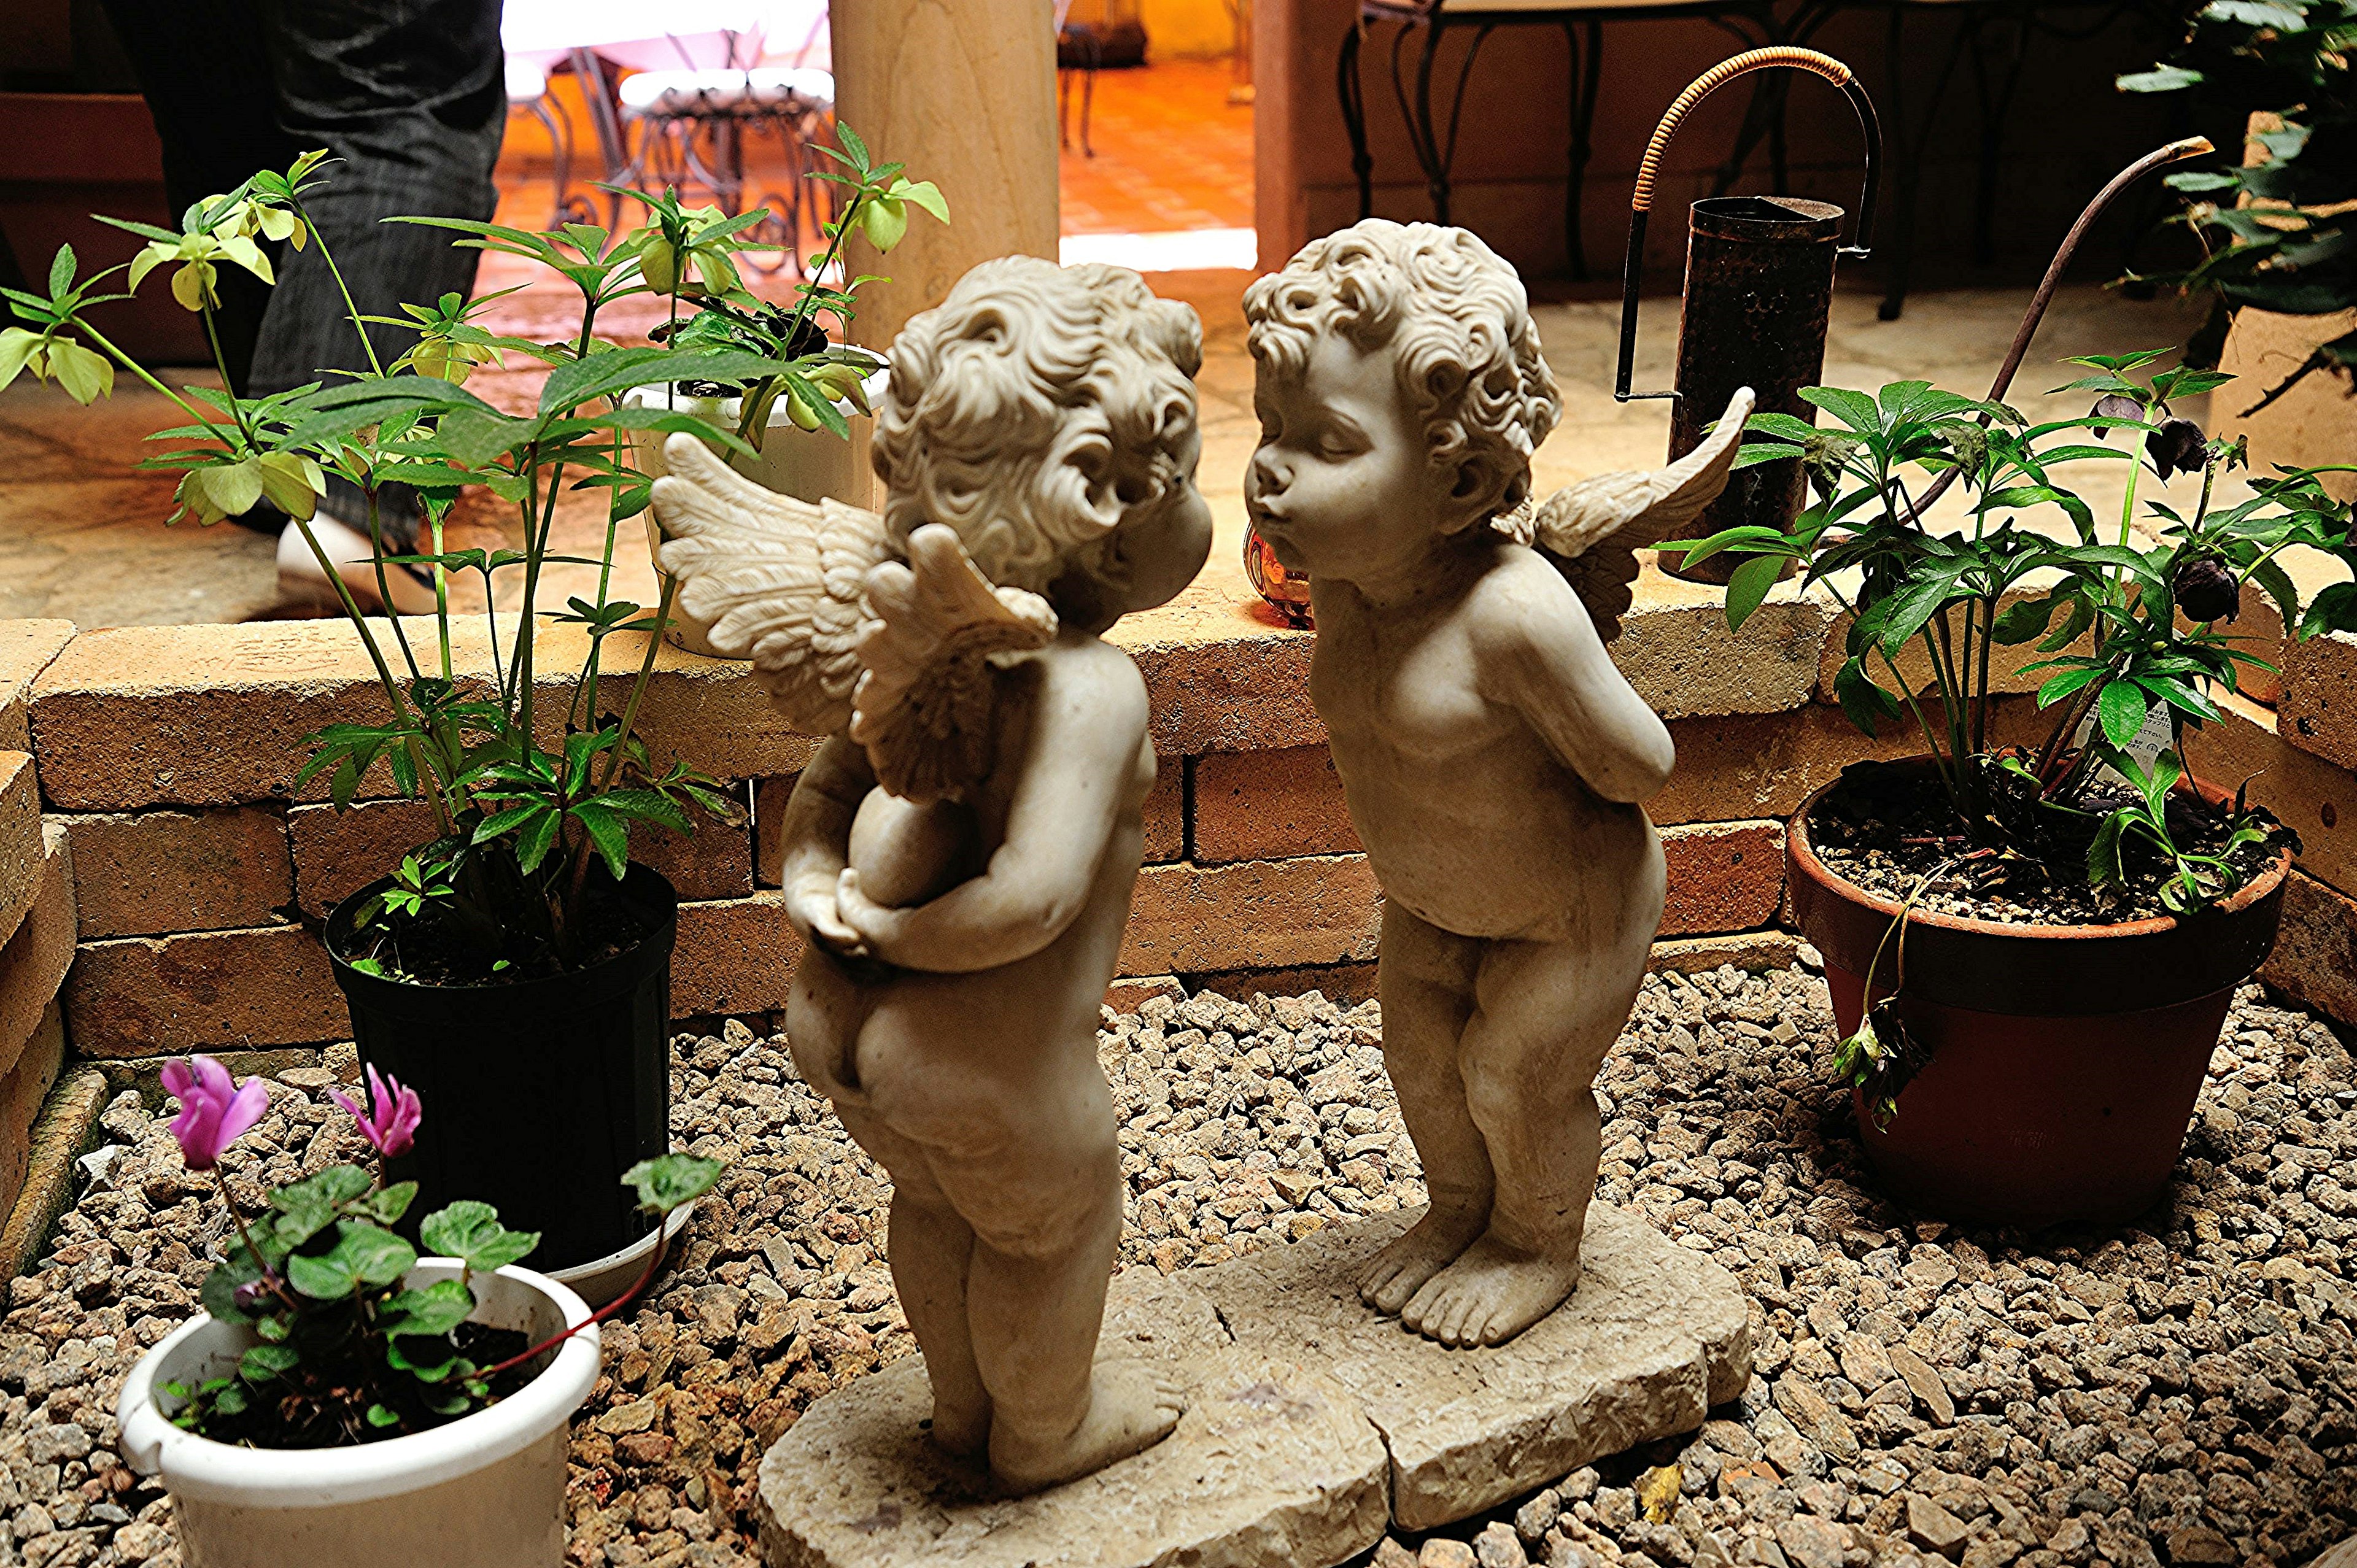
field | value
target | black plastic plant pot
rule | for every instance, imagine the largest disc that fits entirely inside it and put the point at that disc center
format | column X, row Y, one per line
column 538, row 1095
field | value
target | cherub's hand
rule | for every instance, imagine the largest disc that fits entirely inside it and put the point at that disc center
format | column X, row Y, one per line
column 810, row 903
column 875, row 927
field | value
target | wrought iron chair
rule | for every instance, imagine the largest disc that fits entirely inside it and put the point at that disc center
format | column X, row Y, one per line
column 692, row 126
column 1079, row 51
column 527, row 86
column 1582, row 23
column 1995, row 36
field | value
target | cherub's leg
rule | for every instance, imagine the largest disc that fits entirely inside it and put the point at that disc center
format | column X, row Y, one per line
column 1426, row 976
column 1548, row 1013
column 932, row 1254
column 1047, row 1229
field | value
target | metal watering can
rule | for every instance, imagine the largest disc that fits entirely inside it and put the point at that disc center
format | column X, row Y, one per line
column 1759, row 289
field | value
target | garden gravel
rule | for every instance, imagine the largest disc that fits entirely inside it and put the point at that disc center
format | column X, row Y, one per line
column 2184, row 1392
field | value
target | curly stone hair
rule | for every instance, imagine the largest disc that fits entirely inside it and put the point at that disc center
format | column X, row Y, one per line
column 1035, row 411
column 1459, row 321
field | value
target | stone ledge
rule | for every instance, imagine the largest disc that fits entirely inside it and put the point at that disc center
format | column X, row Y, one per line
column 1309, row 1418
column 25, row 649
column 134, row 716
column 21, row 839
column 2315, row 956
column 2316, row 709
column 34, row 960
column 69, row 1120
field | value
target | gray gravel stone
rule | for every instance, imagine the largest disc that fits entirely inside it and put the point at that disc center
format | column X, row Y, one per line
column 2138, row 1395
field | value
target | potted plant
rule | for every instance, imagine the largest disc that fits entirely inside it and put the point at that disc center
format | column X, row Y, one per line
column 515, row 968
column 804, row 446
column 343, row 1400
column 2279, row 233
column 2031, row 948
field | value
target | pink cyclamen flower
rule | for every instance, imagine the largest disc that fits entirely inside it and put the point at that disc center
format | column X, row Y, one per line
column 214, row 1110
column 391, row 1124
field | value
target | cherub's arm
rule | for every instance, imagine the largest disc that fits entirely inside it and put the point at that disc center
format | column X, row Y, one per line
column 1078, row 767
column 816, row 838
column 1540, row 654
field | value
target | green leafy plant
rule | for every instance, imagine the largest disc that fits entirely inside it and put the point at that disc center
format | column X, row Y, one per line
column 2279, row 233
column 533, row 809
column 2130, row 629
column 347, row 1351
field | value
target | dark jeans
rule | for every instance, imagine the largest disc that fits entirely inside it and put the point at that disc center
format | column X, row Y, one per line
column 410, row 95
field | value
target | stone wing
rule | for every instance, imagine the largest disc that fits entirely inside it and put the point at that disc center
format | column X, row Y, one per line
column 1595, row 528
column 923, row 709
column 781, row 581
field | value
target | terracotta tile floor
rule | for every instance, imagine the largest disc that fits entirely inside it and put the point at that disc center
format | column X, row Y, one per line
column 82, row 536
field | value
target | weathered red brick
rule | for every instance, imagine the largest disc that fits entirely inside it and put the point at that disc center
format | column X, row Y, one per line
column 143, row 996
column 1262, row 914
column 1723, row 876
column 2318, row 705
column 2317, row 798
column 26, row 647
column 734, row 955
column 2315, row 958
column 337, row 853
column 150, row 872
column 1166, row 812
column 1270, row 805
column 20, row 838
column 22, row 1089
column 33, row 961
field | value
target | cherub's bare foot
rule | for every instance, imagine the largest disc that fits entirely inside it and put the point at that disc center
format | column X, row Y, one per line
column 1131, row 1408
column 1491, row 1294
column 962, row 1429
column 1430, row 1245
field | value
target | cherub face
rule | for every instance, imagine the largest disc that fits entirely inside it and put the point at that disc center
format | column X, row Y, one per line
column 1341, row 486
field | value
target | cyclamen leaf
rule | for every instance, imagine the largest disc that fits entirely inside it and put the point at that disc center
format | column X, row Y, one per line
column 434, row 1311
column 669, row 1180
column 471, row 1232
column 263, row 1362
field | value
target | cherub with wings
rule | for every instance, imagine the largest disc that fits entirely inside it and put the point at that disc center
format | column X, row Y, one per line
column 960, row 853
column 1492, row 755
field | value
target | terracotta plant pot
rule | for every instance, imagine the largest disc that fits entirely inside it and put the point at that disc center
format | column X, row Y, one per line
column 808, row 465
column 486, row 1492
column 2065, row 1059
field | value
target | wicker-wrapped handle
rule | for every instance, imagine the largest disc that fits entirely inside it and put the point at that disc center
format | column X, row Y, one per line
column 1641, row 202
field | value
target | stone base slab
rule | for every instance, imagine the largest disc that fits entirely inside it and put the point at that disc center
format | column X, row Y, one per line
column 1311, row 1424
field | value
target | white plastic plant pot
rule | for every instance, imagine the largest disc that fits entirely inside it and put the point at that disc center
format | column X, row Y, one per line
column 808, row 465
column 485, row 1491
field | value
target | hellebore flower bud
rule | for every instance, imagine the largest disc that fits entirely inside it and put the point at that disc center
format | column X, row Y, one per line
column 214, row 1112
column 2176, row 445
column 2205, row 590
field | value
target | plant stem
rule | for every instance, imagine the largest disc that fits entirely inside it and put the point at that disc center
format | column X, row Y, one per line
column 654, row 1262
column 220, row 363
column 442, row 592
column 277, row 1285
column 537, row 548
column 383, row 588
column 337, row 272
column 638, row 686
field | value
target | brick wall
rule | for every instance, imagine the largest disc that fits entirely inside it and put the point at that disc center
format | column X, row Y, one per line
column 149, row 834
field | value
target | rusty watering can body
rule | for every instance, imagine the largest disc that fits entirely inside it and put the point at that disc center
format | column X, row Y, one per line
column 1759, row 295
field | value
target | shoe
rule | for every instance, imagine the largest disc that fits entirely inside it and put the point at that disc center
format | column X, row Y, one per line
column 301, row 581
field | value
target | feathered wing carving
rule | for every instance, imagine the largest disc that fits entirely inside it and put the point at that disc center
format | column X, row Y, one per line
column 923, row 708
column 1595, row 528
column 782, row 582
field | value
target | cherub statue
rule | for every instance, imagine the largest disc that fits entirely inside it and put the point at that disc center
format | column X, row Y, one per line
column 960, row 853
column 1491, row 754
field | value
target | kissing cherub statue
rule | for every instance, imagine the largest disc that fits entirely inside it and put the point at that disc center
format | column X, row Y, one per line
column 1491, row 754
column 961, row 851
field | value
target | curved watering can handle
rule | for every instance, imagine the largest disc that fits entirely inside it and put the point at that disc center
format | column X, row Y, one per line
column 1641, row 202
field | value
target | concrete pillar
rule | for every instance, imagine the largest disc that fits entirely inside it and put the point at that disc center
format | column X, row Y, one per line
column 963, row 91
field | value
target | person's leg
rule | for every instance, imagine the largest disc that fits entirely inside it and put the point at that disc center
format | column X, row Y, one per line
column 203, row 72
column 1426, row 978
column 1548, row 1013
column 410, row 96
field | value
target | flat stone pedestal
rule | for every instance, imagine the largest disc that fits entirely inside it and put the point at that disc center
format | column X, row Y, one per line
column 1311, row 1425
